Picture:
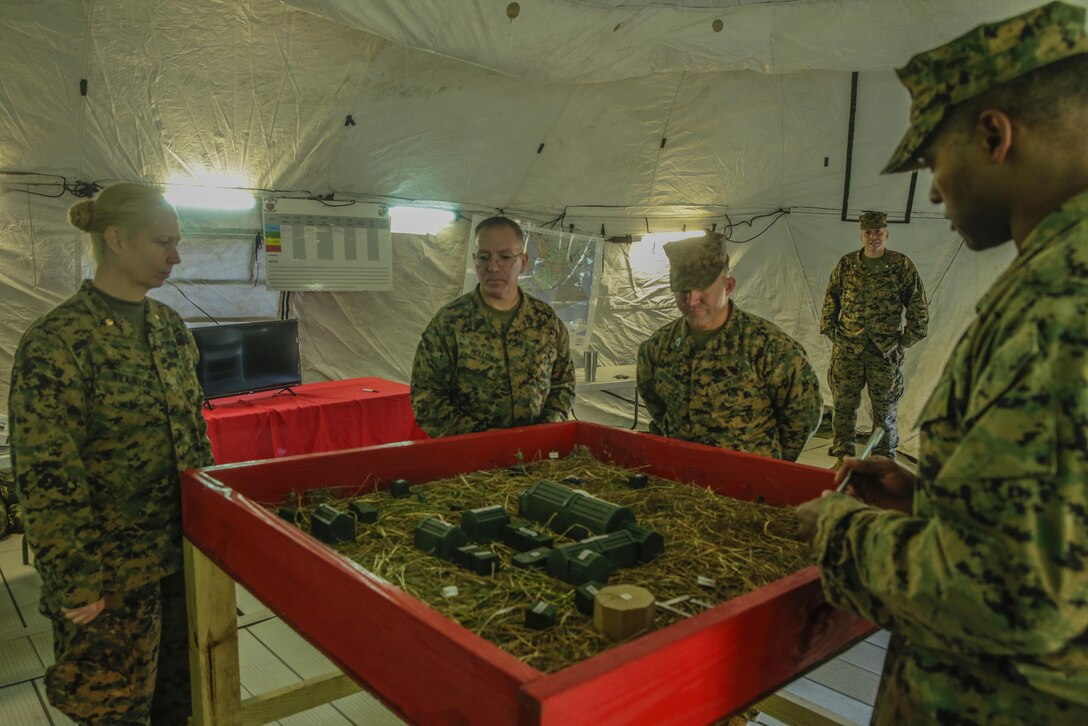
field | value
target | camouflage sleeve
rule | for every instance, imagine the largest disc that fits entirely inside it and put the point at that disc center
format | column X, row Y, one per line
column 917, row 307
column 644, row 379
column 999, row 564
column 795, row 393
column 48, row 431
column 561, row 395
column 829, row 319
column 202, row 441
column 433, row 370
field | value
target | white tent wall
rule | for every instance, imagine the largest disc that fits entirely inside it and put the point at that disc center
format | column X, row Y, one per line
column 375, row 333
column 451, row 105
column 39, row 267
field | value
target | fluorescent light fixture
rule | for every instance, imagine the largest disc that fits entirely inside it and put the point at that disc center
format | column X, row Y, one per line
column 648, row 254
column 209, row 191
column 420, row 220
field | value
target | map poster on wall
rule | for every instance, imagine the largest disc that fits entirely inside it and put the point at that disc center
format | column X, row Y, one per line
column 314, row 245
column 564, row 270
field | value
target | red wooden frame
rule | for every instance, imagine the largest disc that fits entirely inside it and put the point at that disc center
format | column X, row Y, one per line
column 432, row 670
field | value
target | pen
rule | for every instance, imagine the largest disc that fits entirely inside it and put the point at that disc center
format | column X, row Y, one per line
column 878, row 434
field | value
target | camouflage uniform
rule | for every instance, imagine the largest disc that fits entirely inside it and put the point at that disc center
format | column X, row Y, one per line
column 746, row 386
column 470, row 375
column 863, row 316
column 750, row 389
column 11, row 517
column 985, row 586
column 102, row 421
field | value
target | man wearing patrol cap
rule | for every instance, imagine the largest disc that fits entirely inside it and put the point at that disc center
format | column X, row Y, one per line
column 982, row 573
column 719, row 375
column 874, row 309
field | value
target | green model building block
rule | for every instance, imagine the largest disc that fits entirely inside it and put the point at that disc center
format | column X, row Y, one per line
column 588, row 565
column 585, row 515
column 540, row 615
column 398, row 488
column 483, row 561
column 519, row 536
column 332, row 525
column 650, row 543
column 533, row 558
column 577, row 563
column 485, row 523
column 463, row 554
column 620, row 547
column 439, row 538
column 364, row 513
column 584, row 596
column 543, row 501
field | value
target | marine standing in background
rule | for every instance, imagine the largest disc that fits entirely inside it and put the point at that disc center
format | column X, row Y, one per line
column 495, row 357
column 105, row 413
column 870, row 291
column 721, row 376
column 979, row 565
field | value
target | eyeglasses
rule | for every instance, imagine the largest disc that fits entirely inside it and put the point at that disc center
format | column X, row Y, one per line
column 504, row 259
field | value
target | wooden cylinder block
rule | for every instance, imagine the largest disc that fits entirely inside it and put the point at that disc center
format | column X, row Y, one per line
column 621, row 611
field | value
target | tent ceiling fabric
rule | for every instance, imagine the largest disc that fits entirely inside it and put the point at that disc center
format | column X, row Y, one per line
column 585, row 41
column 688, row 5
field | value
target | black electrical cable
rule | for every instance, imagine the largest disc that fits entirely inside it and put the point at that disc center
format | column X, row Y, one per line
column 258, row 243
column 933, row 293
column 79, row 188
column 552, row 222
column 729, row 228
column 39, row 194
column 206, row 313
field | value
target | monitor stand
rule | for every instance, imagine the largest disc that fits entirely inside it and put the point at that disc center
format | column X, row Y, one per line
column 288, row 389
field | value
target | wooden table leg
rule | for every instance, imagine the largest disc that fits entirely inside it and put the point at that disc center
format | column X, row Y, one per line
column 213, row 641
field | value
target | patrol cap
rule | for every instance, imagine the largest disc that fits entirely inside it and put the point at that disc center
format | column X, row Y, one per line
column 873, row 220
column 988, row 56
column 695, row 263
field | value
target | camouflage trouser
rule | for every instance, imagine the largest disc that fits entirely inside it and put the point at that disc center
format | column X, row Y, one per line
column 173, row 702
column 11, row 518
column 855, row 364
column 112, row 670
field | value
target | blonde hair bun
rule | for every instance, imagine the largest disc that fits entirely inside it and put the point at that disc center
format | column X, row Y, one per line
column 81, row 215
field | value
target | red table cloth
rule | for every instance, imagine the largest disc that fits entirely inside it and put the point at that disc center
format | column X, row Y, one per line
column 325, row 416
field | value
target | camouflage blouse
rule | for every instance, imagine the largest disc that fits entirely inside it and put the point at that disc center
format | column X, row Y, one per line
column 469, row 375
column 750, row 388
column 986, row 586
column 886, row 304
column 102, row 422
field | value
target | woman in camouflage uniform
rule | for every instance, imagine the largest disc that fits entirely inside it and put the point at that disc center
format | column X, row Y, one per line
column 105, row 413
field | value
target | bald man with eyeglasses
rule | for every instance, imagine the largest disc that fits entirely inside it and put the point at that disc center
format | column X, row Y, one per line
column 495, row 357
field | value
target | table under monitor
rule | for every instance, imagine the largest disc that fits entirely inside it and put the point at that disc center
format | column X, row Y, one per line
column 616, row 381
column 324, row 416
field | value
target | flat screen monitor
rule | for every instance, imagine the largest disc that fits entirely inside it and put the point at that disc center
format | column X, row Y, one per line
column 240, row 358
